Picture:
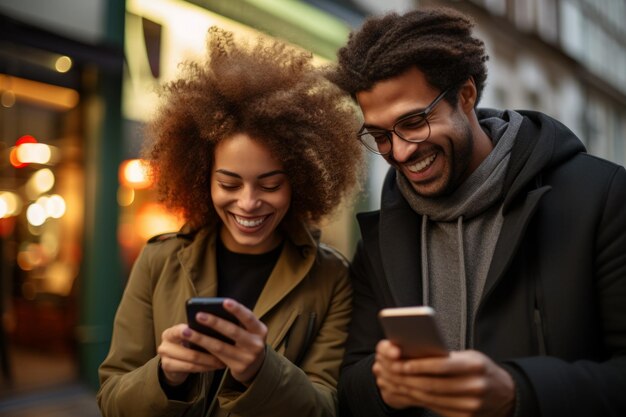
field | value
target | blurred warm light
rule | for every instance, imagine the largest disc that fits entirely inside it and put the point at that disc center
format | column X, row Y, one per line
column 12, row 201
column 38, row 153
column 63, row 64
column 59, row 278
column 125, row 196
column 36, row 214
column 24, row 261
column 25, row 139
column 14, row 160
column 7, row 99
column 13, row 157
column 55, row 206
column 7, row 225
column 41, row 93
column 50, row 244
column 30, row 257
column 34, row 230
column 43, row 202
column 154, row 219
column 126, row 235
column 134, row 173
column 41, row 181
column 10, row 204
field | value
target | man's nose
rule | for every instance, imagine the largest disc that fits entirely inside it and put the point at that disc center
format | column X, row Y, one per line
column 401, row 149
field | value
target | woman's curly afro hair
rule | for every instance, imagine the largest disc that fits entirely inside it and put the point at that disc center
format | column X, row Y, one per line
column 437, row 41
column 274, row 94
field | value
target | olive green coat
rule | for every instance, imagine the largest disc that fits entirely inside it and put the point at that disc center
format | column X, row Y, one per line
column 305, row 304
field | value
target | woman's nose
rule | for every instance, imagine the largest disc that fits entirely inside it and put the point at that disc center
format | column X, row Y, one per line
column 249, row 200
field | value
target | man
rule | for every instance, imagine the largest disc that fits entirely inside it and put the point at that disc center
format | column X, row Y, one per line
column 499, row 220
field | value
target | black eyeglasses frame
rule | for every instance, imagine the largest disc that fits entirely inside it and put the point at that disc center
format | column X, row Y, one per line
column 388, row 133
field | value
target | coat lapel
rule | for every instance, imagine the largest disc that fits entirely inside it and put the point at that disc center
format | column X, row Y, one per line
column 400, row 247
column 291, row 268
column 513, row 228
column 199, row 264
column 294, row 263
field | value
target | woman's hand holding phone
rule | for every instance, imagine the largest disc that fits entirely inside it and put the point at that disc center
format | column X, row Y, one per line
column 244, row 356
column 178, row 360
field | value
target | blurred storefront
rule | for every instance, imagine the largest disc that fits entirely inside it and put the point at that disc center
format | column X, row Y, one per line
column 60, row 83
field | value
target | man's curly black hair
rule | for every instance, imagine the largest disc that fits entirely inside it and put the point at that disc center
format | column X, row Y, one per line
column 437, row 41
column 274, row 94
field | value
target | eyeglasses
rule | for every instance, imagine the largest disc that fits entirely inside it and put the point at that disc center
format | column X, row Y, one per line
column 413, row 128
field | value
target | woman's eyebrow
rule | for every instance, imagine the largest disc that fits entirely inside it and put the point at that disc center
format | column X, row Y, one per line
column 272, row 173
column 229, row 173
column 265, row 175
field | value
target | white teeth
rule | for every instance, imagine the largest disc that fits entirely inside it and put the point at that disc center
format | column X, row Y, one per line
column 424, row 163
column 249, row 223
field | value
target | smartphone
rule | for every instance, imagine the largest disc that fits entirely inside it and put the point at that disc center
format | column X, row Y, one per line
column 211, row 305
column 414, row 330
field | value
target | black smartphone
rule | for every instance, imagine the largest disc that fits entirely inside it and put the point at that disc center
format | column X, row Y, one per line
column 414, row 330
column 211, row 305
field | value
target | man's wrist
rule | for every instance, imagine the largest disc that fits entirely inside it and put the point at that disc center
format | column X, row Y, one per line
column 525, row 404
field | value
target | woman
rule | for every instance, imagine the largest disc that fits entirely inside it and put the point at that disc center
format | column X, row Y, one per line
column 253, row 147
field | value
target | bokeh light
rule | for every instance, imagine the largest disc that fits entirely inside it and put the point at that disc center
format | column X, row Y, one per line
column 38, row 153
column 13, row 203
column 55, row 206
column 134, row 173
column 36, row 214
column 41, row 181
column 125, row 196
column 63, row 64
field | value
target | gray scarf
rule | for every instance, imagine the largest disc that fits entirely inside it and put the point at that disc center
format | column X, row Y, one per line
column 459, row 232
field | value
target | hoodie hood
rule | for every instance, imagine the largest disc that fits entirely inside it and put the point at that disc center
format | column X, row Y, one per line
column 542, row 143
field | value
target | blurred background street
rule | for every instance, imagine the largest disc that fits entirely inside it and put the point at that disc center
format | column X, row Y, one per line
column 45, row 384
column 77, row 83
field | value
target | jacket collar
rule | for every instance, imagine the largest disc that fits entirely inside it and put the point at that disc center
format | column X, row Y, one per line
column 541, row 143
column 399, row 245
column 198, row 261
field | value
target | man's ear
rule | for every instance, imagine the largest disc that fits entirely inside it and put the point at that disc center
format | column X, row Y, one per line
column 467, row 95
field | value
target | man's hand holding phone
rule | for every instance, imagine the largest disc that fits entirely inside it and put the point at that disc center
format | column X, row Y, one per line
column 414, row 330
column 465, row 383
column 243, row 351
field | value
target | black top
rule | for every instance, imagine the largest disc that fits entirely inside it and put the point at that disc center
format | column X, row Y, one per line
column 242, row 276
